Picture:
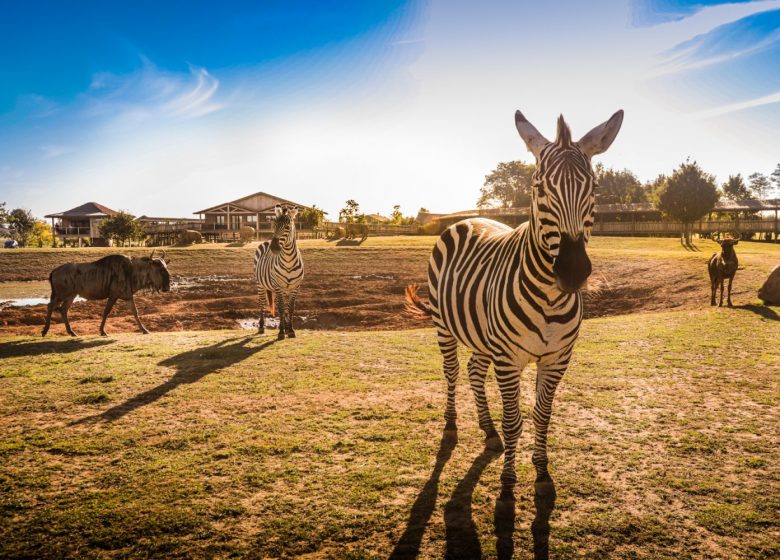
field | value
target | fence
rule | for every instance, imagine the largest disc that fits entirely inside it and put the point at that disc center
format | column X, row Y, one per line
column 664, row 228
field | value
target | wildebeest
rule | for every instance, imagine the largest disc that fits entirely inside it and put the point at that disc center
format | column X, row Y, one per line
column 353, row 230
column 113, row 277
column 723, row 266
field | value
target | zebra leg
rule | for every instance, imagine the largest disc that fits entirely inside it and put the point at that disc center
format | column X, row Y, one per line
column 729, row 296
column 262, row 298
column 547, row 379
column 290, row 311
column 478, row 367
column 508, row 377
column 280, row 309
column 449, row 351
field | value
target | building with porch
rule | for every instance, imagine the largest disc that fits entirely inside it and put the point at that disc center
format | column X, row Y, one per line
column 255, row 210
column 81, row 224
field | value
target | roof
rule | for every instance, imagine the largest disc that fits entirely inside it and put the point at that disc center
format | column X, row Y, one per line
column 378, row 217
column 237, row 202
column 87, row 210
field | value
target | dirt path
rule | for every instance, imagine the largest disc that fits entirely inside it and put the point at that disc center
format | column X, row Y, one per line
column 363, row 290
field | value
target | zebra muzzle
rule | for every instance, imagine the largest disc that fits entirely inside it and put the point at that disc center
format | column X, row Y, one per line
column 572, row 266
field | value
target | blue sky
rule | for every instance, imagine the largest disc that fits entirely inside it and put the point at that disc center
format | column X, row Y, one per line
column 166, row 108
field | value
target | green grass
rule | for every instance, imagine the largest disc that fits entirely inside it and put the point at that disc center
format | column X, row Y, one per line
column 664, row 444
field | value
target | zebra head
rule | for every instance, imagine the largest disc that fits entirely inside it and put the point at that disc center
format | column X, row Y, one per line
column 563, row 195
column 284, row 227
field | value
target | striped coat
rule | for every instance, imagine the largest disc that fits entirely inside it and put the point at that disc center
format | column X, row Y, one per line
column 278, row 271
column 512, row 295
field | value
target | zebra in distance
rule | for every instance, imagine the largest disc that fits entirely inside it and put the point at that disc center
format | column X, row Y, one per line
column 279, row 272
column 512, row 295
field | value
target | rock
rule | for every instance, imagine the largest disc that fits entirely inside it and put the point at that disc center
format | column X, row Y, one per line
column 770, row 291
column 247, row 234
column 190, row 236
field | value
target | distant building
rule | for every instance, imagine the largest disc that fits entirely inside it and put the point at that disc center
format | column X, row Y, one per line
column 256, row 210
column 81, row 223
column 376, row 219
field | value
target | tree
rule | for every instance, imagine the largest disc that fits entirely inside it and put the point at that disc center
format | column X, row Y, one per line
column 4, row 213
column 775, row 177
column 122, row 228
column 40, row 236
column 312, row 217
column 21, row 222
column 687, row 195
column 351, row 212
column 396, row 216
column 507, row 186
column 424, row 210
column 618, row 186
column 760, row 185
column 736, row 189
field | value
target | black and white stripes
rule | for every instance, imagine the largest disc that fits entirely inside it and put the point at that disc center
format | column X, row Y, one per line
column 511, row 295
column 279, row 272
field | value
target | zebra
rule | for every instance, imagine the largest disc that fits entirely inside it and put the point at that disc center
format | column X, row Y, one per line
column 512, row 295
column 279, row 271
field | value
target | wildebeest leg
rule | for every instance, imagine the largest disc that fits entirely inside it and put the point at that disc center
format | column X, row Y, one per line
column 109, row 304
column 714, row 286
column 729, row 296
column 49, row 310
column 721, row 293
column 280, row 309
column 478, row 366
column 135, row 314
column 64, row 312
column 508, row 377
column 290, row 311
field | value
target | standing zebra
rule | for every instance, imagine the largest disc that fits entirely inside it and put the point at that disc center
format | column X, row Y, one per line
column 279, row 272
column 512, row 295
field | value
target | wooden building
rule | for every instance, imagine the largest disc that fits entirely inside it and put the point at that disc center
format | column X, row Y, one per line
column 255, row 210
column 81, row 223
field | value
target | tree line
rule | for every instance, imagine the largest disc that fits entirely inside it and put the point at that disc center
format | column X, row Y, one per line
column 685, row 195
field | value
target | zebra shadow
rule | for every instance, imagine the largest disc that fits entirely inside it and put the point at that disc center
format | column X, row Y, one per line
column 461, row 535
column 191, row 366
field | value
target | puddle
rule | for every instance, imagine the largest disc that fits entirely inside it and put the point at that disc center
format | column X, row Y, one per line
column 26, row 302
column 184, row 282
column 373, row 277
column 251, row 324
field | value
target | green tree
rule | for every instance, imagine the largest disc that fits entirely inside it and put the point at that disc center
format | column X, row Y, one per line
column 507, row 186
column 775, row 177
column 122, row 228
column 687, row 195
column 351, row 212
column 3, row 214
column 312, row 217
column 760, row 185
column 396, row 216
column 21, row 222
column 736, row 189
column 618, row 186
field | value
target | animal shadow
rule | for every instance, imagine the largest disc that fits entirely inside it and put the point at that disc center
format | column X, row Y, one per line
column 544, row 501
column 408, row 545
column 689, row 246
column 763, row 310
column 344, row 242
column 191, row 366
column 38, row 348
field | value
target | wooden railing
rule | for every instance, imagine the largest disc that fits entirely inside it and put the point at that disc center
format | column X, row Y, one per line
column 761, row 225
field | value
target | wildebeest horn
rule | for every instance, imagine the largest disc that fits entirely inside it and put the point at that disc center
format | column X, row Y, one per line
column 153, row 252
column 163, row 255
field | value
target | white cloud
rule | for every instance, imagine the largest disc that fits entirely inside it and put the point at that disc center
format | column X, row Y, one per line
column 53, row 151
column 740, row 106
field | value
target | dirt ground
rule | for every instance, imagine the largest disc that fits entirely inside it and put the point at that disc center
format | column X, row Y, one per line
column 362, row 289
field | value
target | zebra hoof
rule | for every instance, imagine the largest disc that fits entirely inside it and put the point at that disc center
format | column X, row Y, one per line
column 260, row 331
column 280, row 336
column 291, row 334
column 494, row 443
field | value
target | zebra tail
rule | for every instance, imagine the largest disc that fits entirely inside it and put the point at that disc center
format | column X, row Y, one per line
column 414, row 306
column 271, row 303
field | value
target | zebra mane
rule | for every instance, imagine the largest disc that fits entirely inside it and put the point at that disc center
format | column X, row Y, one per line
column 564, row 133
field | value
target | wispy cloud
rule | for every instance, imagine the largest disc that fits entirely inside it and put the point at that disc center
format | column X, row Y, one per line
column 53, row 151
column 740, row 106
column 151, row 93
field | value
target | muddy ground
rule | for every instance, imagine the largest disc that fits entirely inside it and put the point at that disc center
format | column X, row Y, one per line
column 363, row 290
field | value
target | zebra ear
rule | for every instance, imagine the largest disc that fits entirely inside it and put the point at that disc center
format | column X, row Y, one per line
column 293, row 212
column 599, row 139
column 532, row 138
column 278, row 210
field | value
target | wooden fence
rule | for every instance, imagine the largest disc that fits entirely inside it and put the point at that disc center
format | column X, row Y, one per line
column 667, row 228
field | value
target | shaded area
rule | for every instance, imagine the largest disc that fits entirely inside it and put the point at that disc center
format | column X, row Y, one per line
column 408, row 545
column 762, row 310
column 29, row 348
column 461, row 533
column 504, row 521
column 544, row 500
column 191, row 366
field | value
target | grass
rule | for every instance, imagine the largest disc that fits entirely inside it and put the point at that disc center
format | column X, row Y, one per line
column 664, row 444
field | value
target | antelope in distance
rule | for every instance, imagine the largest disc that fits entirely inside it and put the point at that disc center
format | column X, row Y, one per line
column 723, row 266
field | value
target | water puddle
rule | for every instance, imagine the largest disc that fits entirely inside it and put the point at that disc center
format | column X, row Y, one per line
column 26, row 302
column 251, row 324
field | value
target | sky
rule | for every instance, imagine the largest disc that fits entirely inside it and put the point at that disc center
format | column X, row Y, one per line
column 165, row 108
